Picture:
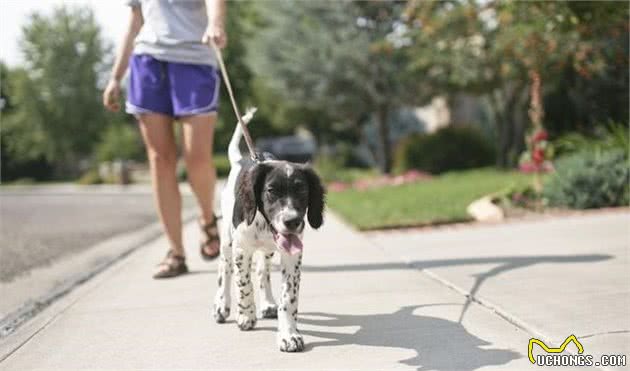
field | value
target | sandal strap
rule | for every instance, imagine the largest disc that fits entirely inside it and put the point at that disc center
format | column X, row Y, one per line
column 213, row 223
column 171, row 254
column 210, row 239
column 171, row 258
column 211, row 235
column 172, row 265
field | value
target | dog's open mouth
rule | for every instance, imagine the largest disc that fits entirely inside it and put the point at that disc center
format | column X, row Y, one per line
column 289, row 242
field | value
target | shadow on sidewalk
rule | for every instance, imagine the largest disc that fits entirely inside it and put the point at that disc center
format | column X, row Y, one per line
column 505, row 263
column 193, row 272
column 438, row 344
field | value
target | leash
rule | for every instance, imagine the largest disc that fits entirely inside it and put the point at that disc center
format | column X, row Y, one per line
column 248, row 138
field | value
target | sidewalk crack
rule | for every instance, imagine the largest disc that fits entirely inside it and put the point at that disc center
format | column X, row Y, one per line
column 604, row 333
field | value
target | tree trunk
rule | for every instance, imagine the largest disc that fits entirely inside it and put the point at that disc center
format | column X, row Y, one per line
column 505, row 129
column 520, row 126
column 383, row 129
column 502, row 125
column 508, row 128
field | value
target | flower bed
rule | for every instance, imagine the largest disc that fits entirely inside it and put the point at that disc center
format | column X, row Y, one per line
column 411, row 176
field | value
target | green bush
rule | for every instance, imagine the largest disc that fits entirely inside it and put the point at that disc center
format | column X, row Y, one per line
column 608, row 136
column 90, row 177
column 590, row 179
column 450, row 148
column 335, row 169
column 222, row 164
column 120, row 142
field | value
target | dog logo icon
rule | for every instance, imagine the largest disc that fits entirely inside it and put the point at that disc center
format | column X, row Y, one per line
column 547, row 349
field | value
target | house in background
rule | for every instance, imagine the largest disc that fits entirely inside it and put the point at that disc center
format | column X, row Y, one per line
column 302, row 147
column 461, row 109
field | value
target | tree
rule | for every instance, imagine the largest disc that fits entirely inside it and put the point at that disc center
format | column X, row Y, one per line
column 57, row 111
column 241, row 24
column 496, row 49
column 341, row 59
column 584, row 98
column 24, row 164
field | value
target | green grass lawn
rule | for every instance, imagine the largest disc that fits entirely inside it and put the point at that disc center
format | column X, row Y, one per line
column 442, row 199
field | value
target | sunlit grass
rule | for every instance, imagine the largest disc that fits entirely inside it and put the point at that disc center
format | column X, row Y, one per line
column 442, row 199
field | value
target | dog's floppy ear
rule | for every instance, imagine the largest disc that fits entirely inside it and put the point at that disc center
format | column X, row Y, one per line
column 248, row 194
column 316, row 199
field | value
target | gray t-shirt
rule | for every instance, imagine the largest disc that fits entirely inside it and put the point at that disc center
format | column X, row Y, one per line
column 172, row 31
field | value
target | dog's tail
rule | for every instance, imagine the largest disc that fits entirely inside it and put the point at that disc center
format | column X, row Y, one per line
column 234, row 152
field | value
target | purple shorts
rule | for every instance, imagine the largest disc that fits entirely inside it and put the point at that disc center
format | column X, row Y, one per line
column 173, row 89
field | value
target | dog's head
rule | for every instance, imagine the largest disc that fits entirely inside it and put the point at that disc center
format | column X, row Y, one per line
column 284, row 193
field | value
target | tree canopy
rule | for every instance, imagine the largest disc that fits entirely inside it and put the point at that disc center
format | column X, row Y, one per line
column 491, row 49
column 56, row 108
column 339, row 58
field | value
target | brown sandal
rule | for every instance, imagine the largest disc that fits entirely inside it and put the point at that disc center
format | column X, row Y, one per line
column 210, row 246
column 172, row 266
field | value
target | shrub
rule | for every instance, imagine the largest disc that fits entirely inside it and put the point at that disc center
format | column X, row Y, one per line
column 90, row 177
column 450, row 148
column 120, row 142
column 333, row 168
column 608, row 136
column 590, row 179
column 222, row 165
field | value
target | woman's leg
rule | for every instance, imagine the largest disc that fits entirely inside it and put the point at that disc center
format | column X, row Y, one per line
column 198, row 134
column 159, row 139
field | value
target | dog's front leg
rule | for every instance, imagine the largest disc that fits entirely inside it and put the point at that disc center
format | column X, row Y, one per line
column 289, row 338
column 246, row 311
column 268, row 306
column 224, row 281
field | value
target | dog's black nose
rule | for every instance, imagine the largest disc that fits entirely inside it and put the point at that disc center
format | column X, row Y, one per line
column 293, row 223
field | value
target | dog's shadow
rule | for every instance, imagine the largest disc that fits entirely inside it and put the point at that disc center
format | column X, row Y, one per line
column 438, row 344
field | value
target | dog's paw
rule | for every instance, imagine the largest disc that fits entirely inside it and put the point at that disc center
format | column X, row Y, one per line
column 221, row 313
column 290, row 342
column 270, row 311
column 245, row 322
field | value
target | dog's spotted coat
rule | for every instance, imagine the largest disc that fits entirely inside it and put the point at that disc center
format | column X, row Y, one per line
column 266, row 204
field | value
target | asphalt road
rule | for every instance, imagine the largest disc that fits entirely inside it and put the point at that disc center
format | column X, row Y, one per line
column 38, row 227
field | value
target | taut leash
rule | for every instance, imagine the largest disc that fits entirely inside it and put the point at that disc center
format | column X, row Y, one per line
column 248, row 138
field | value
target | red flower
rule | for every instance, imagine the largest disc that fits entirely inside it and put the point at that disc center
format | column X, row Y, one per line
column 528, row 167
column 338, row 186
column 540, row 135
column 538, row 155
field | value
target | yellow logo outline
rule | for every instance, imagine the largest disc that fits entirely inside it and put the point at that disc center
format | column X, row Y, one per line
column 560, row 349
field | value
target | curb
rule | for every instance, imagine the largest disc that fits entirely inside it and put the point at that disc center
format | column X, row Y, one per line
column 92, row 261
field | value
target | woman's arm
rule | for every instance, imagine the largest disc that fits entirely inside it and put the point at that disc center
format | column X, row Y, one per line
column 216, row 23
column 112, row 92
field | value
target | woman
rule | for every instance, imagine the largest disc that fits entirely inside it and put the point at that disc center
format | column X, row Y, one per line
column 173, row 76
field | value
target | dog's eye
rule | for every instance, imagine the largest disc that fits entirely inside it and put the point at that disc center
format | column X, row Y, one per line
column 273, row 191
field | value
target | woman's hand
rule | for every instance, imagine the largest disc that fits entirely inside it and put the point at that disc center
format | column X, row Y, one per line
column 216, row 34
column 111, row 96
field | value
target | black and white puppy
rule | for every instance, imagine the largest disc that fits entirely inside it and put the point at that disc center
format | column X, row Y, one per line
column 264, row 205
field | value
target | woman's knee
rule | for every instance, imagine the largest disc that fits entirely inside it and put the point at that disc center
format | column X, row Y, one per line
column 162, row 157
column 198, row 160
column 159, row 139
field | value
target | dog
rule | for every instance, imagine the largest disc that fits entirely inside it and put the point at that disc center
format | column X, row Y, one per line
column 264, row 205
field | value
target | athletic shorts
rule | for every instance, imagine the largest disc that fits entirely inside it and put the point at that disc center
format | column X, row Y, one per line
column 173, row 89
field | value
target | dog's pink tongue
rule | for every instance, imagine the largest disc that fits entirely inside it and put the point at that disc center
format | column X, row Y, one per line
column 289, row 242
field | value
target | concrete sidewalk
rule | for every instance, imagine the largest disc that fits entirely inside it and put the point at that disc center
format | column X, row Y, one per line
column 368, row 302
column 554, row 277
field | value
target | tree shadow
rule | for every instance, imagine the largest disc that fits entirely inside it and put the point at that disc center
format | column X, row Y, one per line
column 438, row 344
column 505, row 263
